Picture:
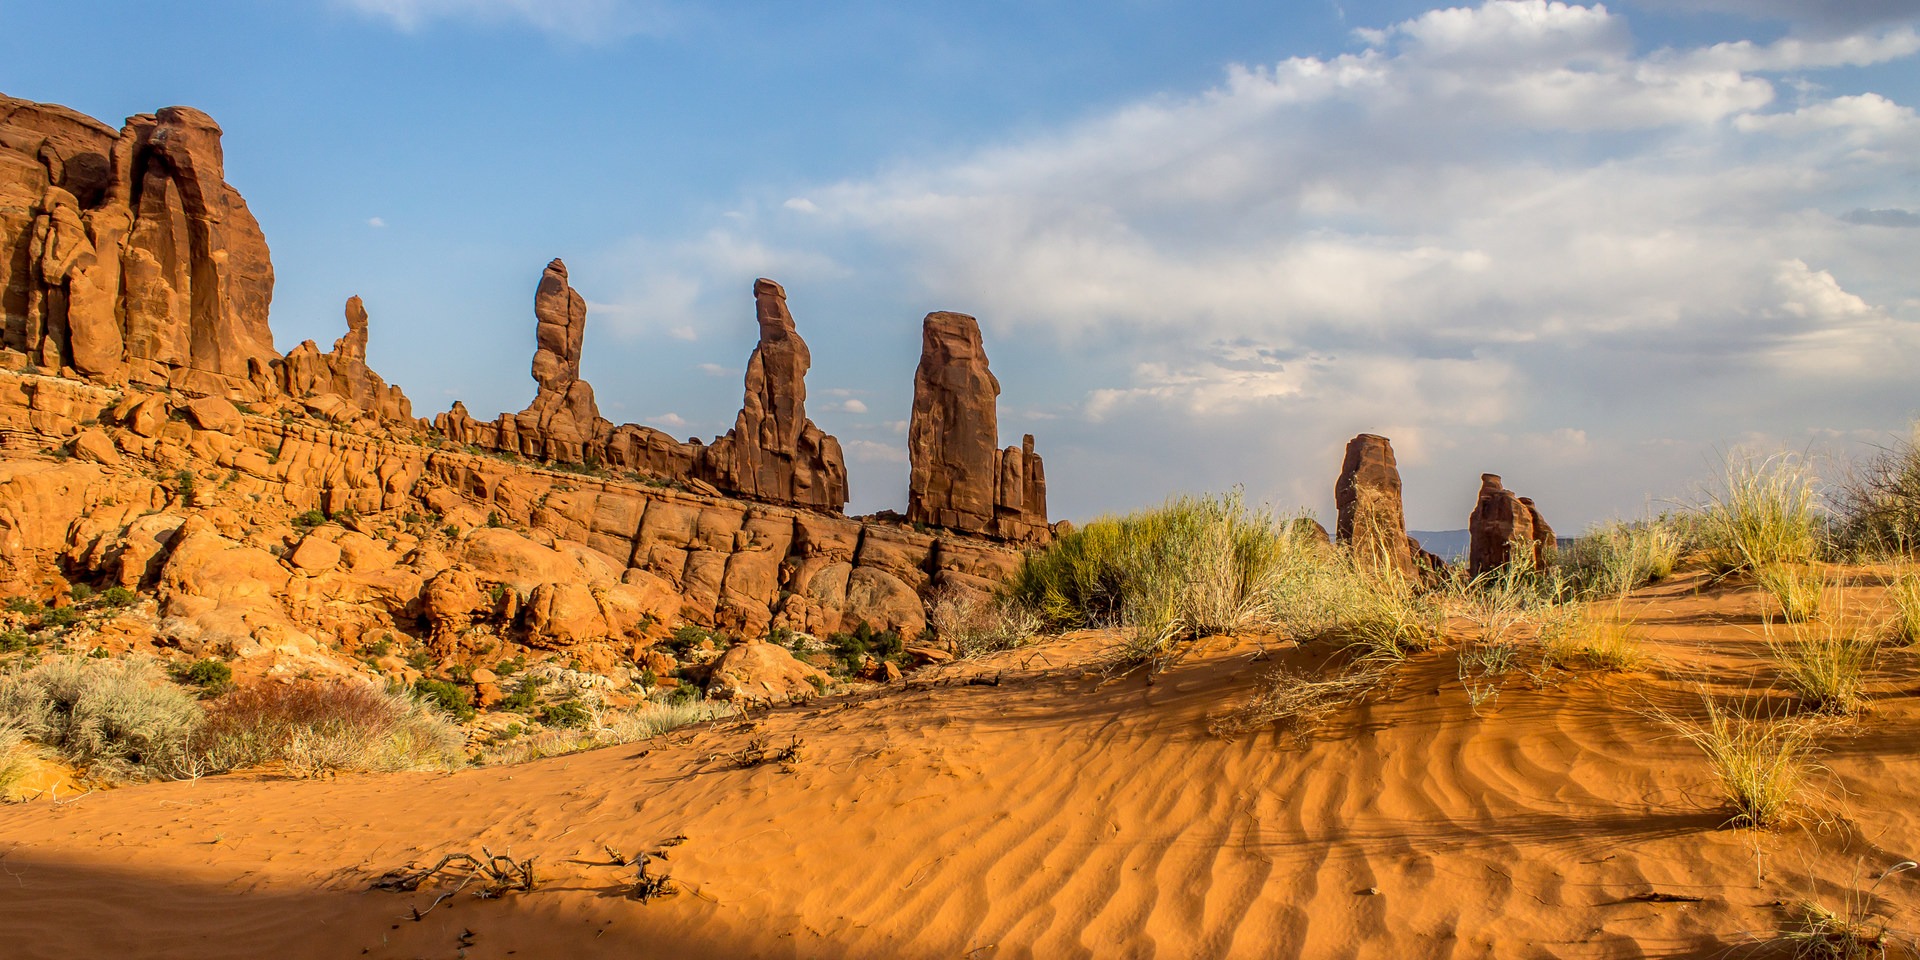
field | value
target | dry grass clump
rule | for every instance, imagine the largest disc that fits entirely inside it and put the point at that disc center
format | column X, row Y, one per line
column 1197, row 566
column 1296, row 702
column 14, row 755
column 1616, row 558
column 1323, row 594
column 606, row 729
column 1763, row 514
column 1904, row 591
column 1763, row 764
column 317, row 728
column 1854, row 931
column 1826, row 662
column 973, row 627
column 1877, row 503
column 1798, row 588
column 117, row 717
column 1608, row 641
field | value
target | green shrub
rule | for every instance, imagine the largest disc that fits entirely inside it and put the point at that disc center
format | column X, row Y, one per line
column 447, row 696
column 850, row 649
column 309, row 519
column 687, row 637
column 1196, row 566
column 1877, row 504
column 566, row 713
column 316, row 728
column 183, row 484
column 80, row 593
column 120, row 716
column 1763, row 513
column 14, row 754
column 14, row 641
column 1616, row 558
column 58, row 618
column 210, row 675
column 23, row 606
column 523, row 699
column 116, row 598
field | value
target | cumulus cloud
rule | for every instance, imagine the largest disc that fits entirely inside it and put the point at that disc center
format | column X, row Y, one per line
column 1488, row 224
column 376, row 222
column 589, row 21
column 853, row 405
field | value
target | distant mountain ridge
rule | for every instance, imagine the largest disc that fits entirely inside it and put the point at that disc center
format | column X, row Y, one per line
column 1449, row 545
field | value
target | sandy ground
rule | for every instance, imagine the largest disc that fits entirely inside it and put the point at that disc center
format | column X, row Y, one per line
column 1061, row 813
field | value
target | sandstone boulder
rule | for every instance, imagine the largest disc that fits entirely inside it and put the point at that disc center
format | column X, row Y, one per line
column 757, row 672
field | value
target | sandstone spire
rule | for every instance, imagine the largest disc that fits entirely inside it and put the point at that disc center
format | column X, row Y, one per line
column 1371, row 518
column 1502, row 523
column 773, row 451
column 959, row 478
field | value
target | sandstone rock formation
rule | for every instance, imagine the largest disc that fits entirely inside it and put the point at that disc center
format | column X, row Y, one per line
column 339, row 384
column 773, row 451
column 959, row 479
column 1371, row 519
column 126, row 255
column 1502, row 524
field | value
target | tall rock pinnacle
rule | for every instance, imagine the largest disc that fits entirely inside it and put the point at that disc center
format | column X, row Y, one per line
column 959, row 478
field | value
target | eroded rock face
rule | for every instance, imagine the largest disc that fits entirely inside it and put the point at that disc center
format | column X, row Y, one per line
column 959, row 478
column 1371, row 519
column 127, row 256
column 773, row 451
column 1504, row 528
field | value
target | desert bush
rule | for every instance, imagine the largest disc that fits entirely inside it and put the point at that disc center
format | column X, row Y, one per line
column 1617, row 558
column 642, row 722
column 973, row 627
column 1329, row 595
column 1208, row 557
column 13, row 754
column 210, row 675
column 1876, row 504
column 1826, row 661
column 114, row 598
column 1853, row 931
column 1763, row 764
column 317, row 728
column 1904, row 591
column 1797, row 587
column 567, row 713
column 1584, row 635
column 1762, row 514
column 447, row 696
column 120, row 717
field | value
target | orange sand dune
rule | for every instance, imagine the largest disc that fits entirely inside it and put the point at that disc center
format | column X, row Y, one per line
column 1058, row 814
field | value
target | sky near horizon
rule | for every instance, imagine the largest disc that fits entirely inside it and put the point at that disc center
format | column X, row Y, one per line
column 1587, row 247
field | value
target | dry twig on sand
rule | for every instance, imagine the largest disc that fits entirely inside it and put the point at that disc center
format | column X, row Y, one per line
column 502, row 874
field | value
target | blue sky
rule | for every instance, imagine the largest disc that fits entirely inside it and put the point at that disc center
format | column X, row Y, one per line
column 1581, row 246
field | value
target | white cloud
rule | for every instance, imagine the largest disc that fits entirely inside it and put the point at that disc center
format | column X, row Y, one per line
column 1495, row 232
column 801, row 205
column 376, row 222
column 717, row 370
column 586, row 21
column 853, row 405
column 871, row 451
column 669, row 420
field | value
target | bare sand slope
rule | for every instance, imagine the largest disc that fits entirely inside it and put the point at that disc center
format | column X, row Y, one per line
column 1058, row 814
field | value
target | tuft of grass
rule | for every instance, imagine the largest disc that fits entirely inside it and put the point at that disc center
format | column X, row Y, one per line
column 1602, row 640
column 642, row 722
column 1854, row 931
column 14, row 754
column 1297, row 702
column 1371, row 608
column 119, row 717
column 1763, row 764
column 1209, row 558
column 1904, row 591
column 1762, row 514
column 973, row 627
column 1826, row 662
column 1616, row 558
column 1797, row 587
column 318, row 728
column 1877, row 503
